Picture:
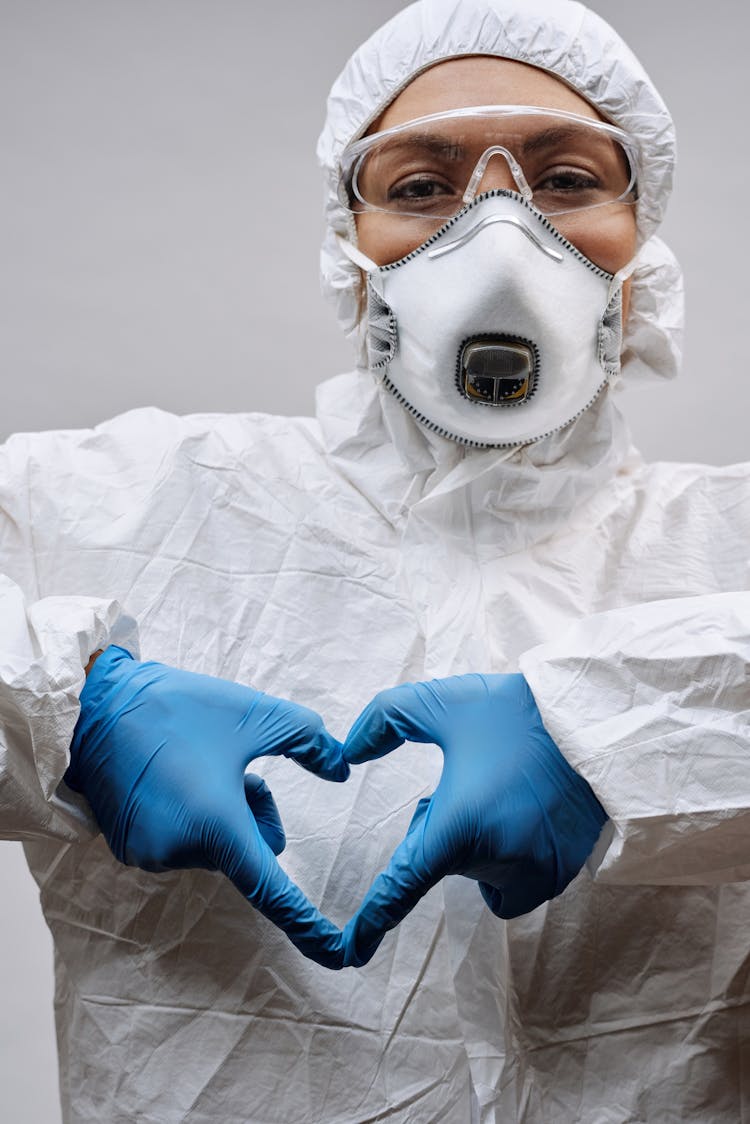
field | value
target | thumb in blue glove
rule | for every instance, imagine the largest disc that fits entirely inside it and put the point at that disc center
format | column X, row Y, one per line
column 509, row 811
column 161, row 755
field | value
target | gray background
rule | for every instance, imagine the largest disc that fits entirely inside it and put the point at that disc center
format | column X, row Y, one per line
column 159, row 235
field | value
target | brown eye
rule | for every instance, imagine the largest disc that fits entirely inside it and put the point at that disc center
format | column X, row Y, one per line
column 567, row 189
column 570, row 181
column 419, row 187
column 420, row 192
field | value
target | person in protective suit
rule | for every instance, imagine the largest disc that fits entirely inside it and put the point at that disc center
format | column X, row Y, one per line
column 463, row 549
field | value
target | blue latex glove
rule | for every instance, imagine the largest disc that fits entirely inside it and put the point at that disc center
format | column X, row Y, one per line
column 509, row 811
column 160, row 754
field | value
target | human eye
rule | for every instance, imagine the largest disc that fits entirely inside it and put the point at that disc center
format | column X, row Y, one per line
column 567, row 180
column 422, row 188
column 567, row 186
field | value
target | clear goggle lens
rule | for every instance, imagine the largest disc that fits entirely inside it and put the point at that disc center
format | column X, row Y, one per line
column 433, row 166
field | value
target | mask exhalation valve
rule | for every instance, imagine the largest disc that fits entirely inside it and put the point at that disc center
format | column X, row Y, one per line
column 497, row 371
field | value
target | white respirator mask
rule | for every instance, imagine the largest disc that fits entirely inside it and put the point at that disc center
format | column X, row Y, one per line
column 496, row 331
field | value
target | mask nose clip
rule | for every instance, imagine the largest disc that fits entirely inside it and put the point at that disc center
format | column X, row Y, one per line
column 497, row 370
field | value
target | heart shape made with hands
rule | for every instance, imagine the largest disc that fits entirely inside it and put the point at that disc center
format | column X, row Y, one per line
column 162, row 754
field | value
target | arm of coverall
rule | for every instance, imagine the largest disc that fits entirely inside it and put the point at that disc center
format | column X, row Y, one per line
column 651, row 704
column 47, row 643
column 44, row 646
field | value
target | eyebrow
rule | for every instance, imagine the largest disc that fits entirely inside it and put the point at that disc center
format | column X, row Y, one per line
column 440, row 146
column 549, row 137
column 443, row 146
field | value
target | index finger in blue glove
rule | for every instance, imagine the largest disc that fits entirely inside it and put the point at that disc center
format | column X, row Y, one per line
column 296, row 732
column 243, row 855
column 417, row 712
column 410, row 711
column 248, row 722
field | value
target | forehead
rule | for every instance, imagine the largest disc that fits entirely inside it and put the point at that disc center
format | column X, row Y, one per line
column 480, row 80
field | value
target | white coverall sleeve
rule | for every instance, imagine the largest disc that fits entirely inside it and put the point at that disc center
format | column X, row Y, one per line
column 651, row 704
column 44, row 647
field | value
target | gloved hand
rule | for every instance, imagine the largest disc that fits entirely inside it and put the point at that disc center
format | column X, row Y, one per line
column 160, row 754
column 509, row 811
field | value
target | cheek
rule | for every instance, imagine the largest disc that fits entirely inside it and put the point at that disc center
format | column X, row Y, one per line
column 385, row 240
column 606, row 238
column 609, row 243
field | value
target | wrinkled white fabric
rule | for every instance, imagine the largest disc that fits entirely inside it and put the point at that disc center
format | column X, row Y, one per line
column 319, row 560
column 323, row 559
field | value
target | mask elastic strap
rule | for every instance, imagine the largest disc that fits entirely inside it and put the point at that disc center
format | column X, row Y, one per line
column 615, row 286
column 355, row 255
column 623, row 274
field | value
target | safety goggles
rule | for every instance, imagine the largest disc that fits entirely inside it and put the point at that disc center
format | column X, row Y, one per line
column 433, row 166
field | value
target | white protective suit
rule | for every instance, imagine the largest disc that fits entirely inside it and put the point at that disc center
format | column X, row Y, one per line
column 323, row 559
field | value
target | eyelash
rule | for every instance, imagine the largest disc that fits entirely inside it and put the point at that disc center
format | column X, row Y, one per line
column 579, row 178
column 400, row 189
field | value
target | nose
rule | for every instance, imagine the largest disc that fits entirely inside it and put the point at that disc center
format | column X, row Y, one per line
column 496, row 168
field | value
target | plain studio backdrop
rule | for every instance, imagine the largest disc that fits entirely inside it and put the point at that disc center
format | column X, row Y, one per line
column 160, row 222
